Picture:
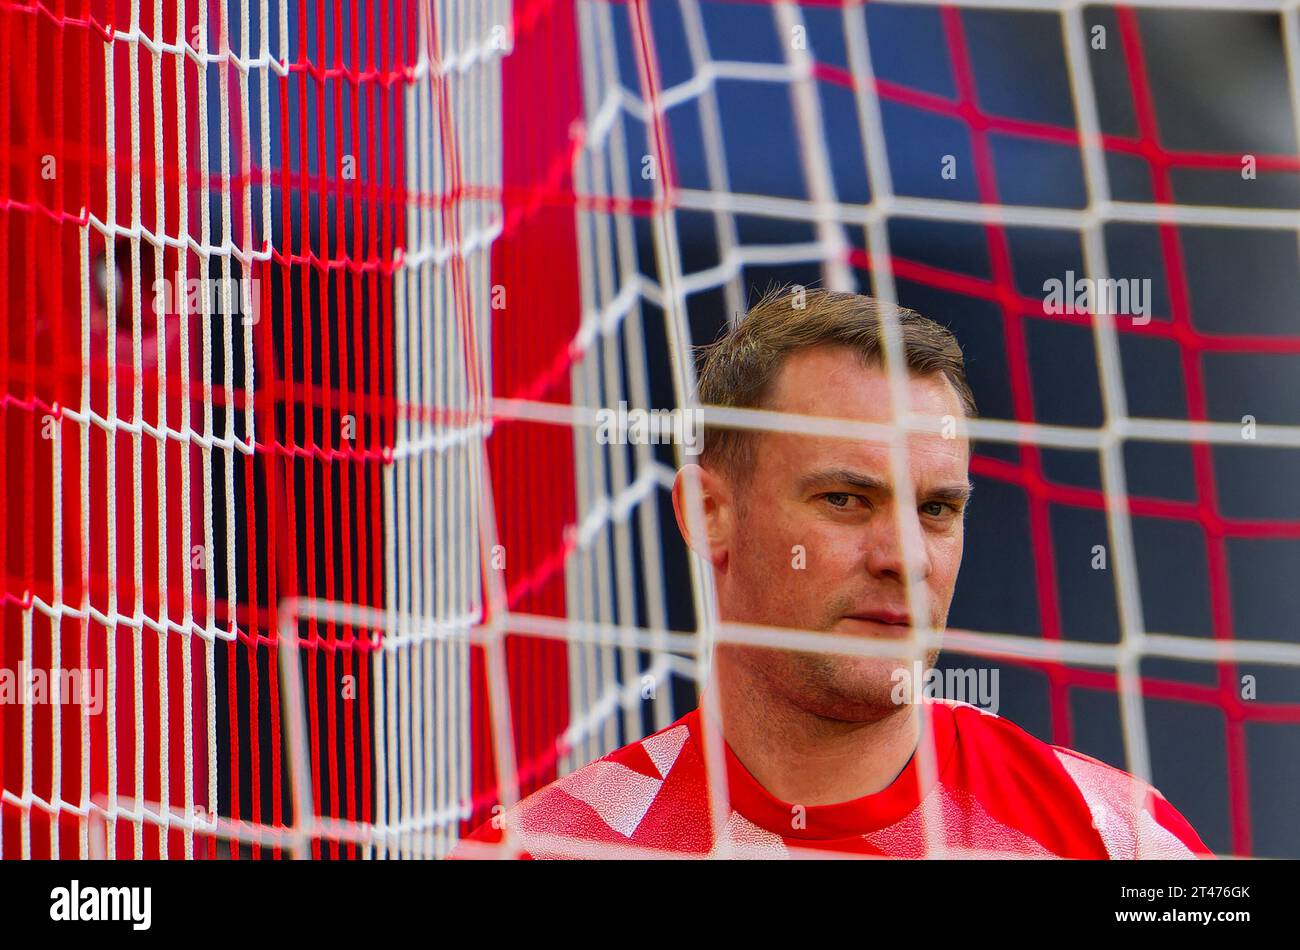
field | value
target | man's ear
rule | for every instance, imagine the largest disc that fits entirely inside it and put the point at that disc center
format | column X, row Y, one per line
column 706, row 512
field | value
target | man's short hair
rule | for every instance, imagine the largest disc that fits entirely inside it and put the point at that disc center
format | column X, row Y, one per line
column 739, row 368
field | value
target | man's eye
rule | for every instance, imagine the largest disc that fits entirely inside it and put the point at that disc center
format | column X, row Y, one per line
column 935, row 509
column 838, row 499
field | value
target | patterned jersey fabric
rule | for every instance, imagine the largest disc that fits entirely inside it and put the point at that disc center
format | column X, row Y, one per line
column 996, row 791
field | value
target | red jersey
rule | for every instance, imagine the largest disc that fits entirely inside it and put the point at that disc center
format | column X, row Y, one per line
column 996, row 792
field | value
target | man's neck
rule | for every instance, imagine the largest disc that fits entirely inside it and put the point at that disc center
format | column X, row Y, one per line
column 803, row 758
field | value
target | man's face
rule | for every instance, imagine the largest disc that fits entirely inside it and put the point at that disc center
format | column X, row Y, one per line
column 834, row 500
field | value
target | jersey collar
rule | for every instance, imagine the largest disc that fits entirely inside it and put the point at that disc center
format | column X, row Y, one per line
column 844, row 819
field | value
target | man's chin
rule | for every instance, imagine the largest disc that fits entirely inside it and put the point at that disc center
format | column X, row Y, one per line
column 855, row 688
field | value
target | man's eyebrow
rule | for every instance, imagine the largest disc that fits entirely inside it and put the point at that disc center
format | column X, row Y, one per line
column 842, row 476
column 951, row 493
column 847, row 477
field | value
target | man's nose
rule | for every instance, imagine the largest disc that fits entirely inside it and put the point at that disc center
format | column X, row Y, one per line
column 896, row 545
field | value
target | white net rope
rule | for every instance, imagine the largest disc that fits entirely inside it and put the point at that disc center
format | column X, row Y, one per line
column 237, row 56
column 617, row 487
column 437, row 508
column 126, row 238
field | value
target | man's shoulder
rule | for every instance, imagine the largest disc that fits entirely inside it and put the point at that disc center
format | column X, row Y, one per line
column 1131, row 816
column 600, row 803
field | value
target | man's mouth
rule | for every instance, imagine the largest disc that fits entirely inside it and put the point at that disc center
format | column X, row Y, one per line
column 898, row 617
column 899, row 620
